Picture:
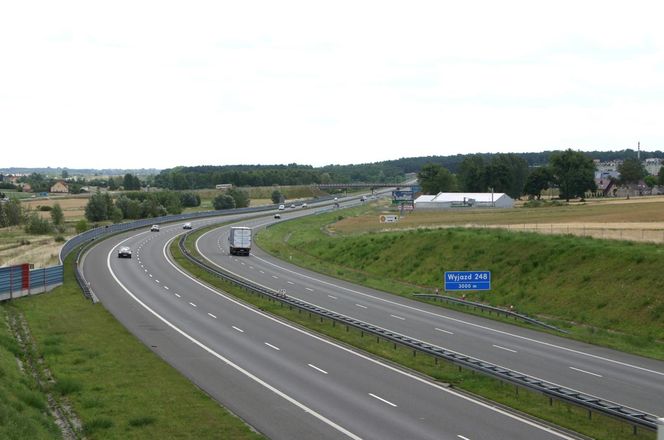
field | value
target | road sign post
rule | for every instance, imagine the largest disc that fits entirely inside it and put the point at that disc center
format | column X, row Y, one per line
column 466, row 280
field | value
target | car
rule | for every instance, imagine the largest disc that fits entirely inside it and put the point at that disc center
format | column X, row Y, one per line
column 277, row 215
column 282, row 207
column 154, row 228
column 363, row 199
column 186, row 226
column 292, row 205
column 124, row 252
column 304, row 205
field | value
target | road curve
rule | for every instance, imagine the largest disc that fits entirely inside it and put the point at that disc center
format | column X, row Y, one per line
column 284, row 381
column 627, row 379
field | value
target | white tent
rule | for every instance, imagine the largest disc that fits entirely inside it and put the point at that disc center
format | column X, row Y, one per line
column 464, row 200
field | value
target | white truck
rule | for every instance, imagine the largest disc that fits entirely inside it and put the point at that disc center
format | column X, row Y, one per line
column 239, row 240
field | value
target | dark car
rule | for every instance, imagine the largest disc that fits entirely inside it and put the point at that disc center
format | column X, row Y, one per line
column 154, row 228
column 124, row 252
column 277, row 215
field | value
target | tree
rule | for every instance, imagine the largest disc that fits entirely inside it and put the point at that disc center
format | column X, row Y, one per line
column 241, row 197
column 81, row 226
column 37, row 225
column 537, row 181
column 65, row 174
column 660, row 176
column 99, row 207
column 57, row 216
column 631, row 171
column 650, row 181
column 472, row 174
column 277, row 197
column 573, row 172
column 506, row 173
column 434, row 179
column 14, row 212
column 223, row 201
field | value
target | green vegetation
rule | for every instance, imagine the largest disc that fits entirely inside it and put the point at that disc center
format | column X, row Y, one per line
column 117, row 386
column 523, row 400
column 23, row 408
column 576, row 283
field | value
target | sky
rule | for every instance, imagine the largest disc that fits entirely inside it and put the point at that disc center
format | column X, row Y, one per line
column 158, row 84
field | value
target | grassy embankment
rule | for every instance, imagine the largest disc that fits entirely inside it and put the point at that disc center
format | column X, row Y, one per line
column 604, row 292
column 536, row 405
column 116, row 385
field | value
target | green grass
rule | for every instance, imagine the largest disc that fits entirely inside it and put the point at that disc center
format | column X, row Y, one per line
column 604, row 292
column 118, row 387
column 22, row 406
column 536, row 405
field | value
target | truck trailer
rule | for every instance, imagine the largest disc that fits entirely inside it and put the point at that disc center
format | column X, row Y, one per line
column 239, row 240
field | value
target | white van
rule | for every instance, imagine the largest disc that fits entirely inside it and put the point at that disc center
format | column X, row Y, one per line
column 282, row 207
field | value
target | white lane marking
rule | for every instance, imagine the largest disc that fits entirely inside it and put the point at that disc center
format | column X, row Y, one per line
column 275, row 277
column 166, row 287
column 462, row 437
column 316, row 368
column 251, row 267
column 146, row 270
column 261, row 271
column 178, row 295
column 332, row 296
column 504, row 348
column 444, row 331
column 398, row 317
column 210, row 314
column 238, row 329
column 584, row 371
column 309, row 289
column 290, row 282
column 157, row 281
column 224, row 359
column 360, row 305
column 149, row 274
column 272, row 346
column 242, row 263
column 383, row 400
column 461, row 321
column 355, row 353
column 192, row 304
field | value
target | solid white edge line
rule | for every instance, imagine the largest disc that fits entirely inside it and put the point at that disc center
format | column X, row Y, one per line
column 316, row 368
column 525, row 338
column 584, row 371
column 383, row 400
column 224, row 359
column 375, row 361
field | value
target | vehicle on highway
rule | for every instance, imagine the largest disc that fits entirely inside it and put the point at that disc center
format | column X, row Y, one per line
column 282, row 207
column 124, row 252
column 304, row 205
column 186, row 226
column 277, row 215
column 239, row 240
column 292, row 205
column 363, row 199
column 154, row 228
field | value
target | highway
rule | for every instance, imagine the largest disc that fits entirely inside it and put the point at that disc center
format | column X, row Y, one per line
column 282, row 380
column 619, row 377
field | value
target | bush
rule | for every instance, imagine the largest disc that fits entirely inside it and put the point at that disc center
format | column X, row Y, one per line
column 223, row 201
column 37, row 225
column 44, row 208
column 82, row 226
column 60, row 239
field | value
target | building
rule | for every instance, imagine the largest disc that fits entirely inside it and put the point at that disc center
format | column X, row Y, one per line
column 653, row 165
column 60, row 187
column 224, row 186
column 464, row 200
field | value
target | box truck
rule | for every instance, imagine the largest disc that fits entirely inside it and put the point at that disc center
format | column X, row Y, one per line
column 239, row 240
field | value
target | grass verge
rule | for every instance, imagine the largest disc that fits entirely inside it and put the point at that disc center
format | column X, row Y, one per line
column 118, row 387
column 522, row 400
column 576, row 283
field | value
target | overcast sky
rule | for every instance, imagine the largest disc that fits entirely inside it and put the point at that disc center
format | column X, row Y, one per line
column 157, row 84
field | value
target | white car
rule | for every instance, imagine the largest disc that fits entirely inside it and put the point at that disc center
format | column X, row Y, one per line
column 282, row 207
column 292, row 205
column 124, row 252
column 154, row 228
column 277, row 215
column 186, row 226
column 304, row 205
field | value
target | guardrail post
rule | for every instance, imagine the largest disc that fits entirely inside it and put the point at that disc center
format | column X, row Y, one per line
column 660, row 429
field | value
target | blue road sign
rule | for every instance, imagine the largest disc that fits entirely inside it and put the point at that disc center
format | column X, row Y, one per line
column 468, row 280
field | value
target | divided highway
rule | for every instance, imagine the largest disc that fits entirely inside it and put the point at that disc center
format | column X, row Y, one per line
column 629, row 380
column 284, row 381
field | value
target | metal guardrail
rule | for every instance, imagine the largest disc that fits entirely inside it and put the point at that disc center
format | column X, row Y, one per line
column 587, row 401
column 497, row 310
